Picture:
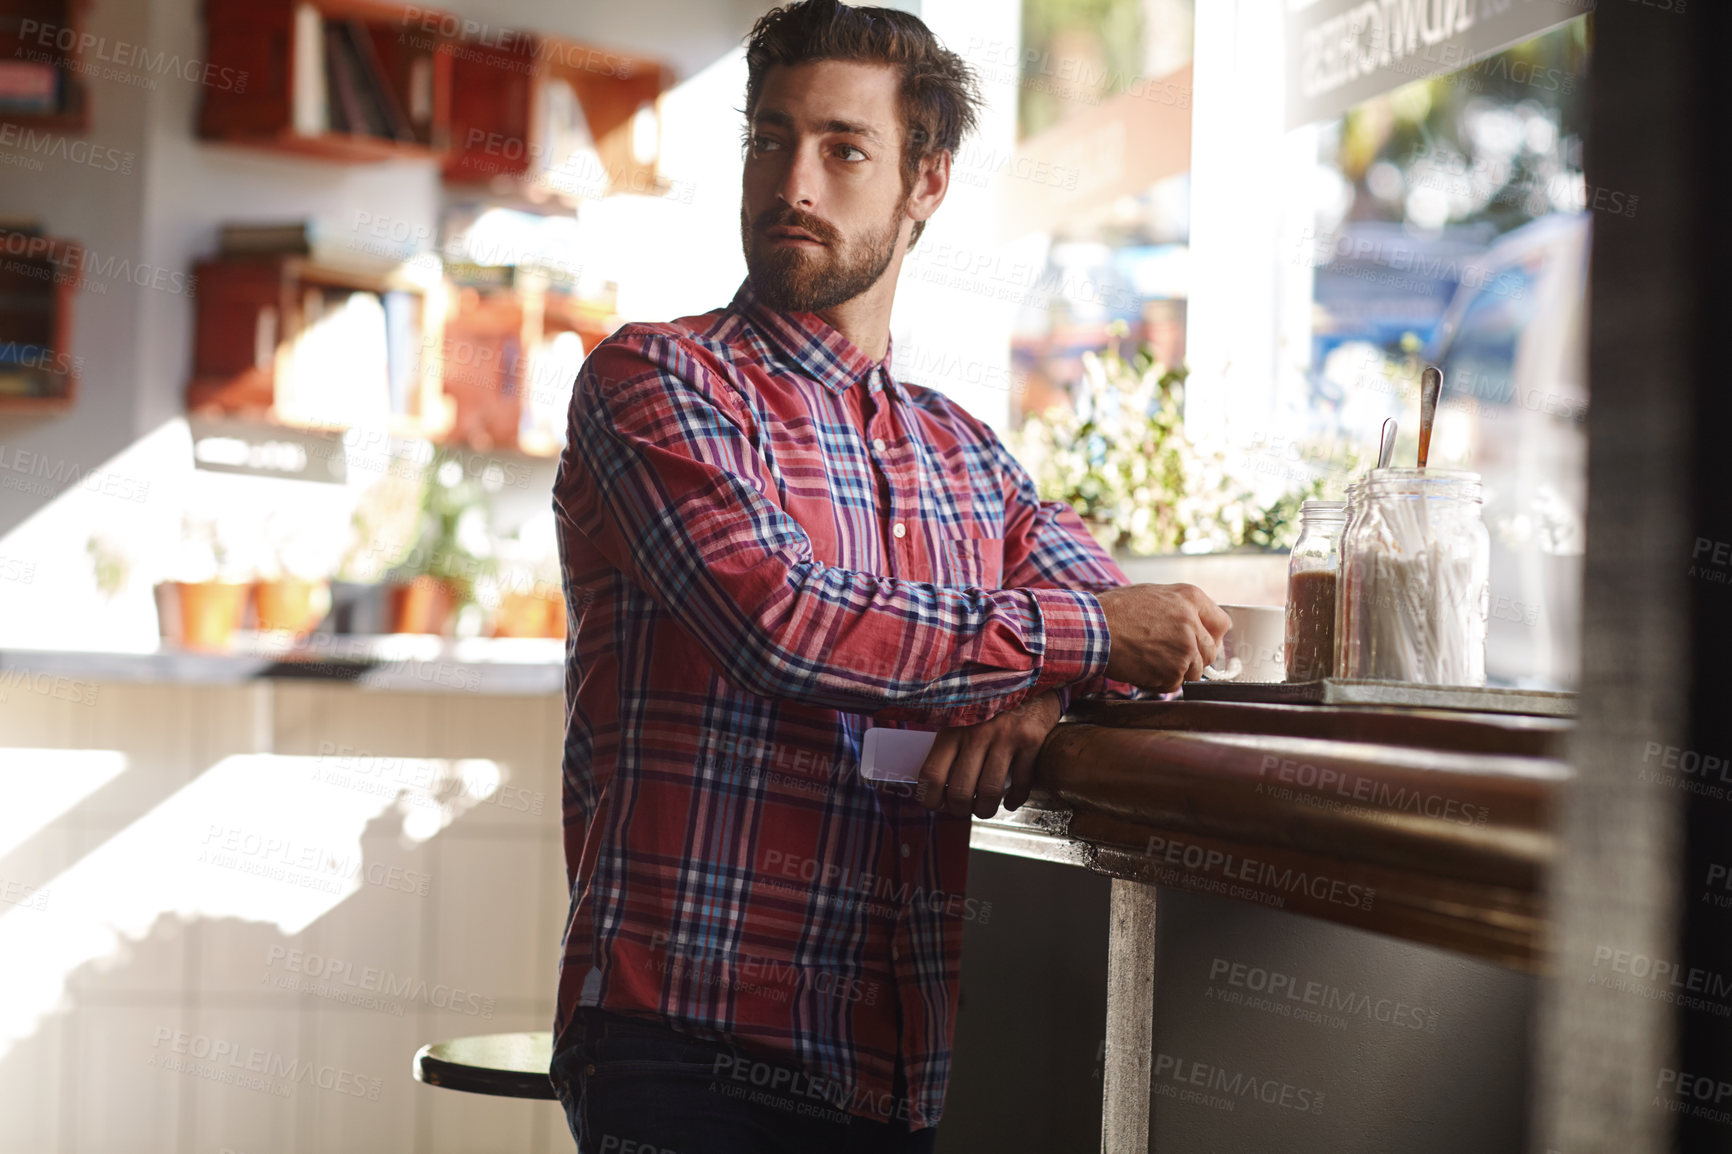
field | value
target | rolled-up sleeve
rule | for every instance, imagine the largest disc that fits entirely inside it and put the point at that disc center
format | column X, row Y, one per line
column 663, row 476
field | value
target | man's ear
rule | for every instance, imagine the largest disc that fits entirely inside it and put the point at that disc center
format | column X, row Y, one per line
column 930, row 185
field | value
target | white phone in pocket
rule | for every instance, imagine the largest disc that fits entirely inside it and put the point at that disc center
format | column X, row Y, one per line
column 894, row 754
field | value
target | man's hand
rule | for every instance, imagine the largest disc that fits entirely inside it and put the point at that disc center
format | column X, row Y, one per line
column 974, row 766
column 1162, row 635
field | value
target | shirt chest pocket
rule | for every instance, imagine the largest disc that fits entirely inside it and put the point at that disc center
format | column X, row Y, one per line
column 973, row 561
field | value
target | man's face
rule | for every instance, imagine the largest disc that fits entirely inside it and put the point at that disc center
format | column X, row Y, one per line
column 823, row 202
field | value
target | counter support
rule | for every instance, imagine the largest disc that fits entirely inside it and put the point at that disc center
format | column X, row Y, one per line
column 1130, row 1018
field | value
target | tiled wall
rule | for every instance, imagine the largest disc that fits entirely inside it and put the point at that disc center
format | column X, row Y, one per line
column 136, row 921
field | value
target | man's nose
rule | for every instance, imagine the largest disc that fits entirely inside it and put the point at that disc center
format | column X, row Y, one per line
column 799, row 183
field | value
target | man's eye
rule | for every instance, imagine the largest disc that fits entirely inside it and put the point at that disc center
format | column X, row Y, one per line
column 764, row 143
column 845, row 148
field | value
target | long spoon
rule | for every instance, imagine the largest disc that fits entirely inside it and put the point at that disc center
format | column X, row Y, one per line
column 1386, row 444
column 1430, row 385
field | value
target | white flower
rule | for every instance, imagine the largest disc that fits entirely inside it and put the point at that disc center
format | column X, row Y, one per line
column 471, row 532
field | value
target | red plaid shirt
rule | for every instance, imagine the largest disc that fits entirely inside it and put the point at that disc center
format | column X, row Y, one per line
column 770, row 545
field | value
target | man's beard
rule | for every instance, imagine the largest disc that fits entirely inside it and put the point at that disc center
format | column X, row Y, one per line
column 793, row 279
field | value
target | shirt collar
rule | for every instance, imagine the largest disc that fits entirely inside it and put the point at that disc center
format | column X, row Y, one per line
column 816, row 348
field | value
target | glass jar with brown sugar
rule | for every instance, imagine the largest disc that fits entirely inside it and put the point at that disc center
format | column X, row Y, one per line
column 1313, row 575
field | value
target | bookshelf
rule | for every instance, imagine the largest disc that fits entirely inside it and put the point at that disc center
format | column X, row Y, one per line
column 39, row 280
column 38, row 39
column 361, row 80
column 353, row 81
column 509, row 366
column 549, row 120
column 302, row 336
column 291, row 340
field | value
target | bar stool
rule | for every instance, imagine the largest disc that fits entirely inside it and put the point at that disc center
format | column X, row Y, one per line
column 504, row 1065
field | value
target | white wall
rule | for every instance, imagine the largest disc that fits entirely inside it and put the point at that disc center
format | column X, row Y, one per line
column 46, row 512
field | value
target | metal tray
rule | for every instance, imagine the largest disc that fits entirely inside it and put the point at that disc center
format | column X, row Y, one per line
column 1400, row 694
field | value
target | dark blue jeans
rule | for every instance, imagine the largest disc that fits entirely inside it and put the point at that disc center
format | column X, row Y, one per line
column 633, row 1086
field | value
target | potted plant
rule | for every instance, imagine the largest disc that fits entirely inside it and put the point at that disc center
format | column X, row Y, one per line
column 112, row 564
column 385, row 526
column 293, row 592
column 436, row 579
column 524, row 593
column 209, row 580
column 1123, row 460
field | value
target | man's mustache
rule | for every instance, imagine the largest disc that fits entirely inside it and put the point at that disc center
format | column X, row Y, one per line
column 794, row 218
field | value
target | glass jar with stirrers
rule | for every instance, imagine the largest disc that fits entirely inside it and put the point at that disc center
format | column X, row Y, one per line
column 1415, row 579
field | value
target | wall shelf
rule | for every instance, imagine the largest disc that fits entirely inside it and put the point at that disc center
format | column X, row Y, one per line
column 32, row 33
column 482, row 355
column 520, row 108
column 341, row 80
column 360, row 81
column 39, row 282
column 255, row 319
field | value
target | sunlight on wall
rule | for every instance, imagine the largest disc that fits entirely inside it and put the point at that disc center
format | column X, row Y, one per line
column 42, row 784
column 257, row 837
column 132, row 499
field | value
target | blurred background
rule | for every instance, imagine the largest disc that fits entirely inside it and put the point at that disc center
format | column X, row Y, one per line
column 252, row 344
column 291, row 299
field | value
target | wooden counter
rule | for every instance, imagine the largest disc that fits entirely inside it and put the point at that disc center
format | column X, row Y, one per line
column 1430, row 826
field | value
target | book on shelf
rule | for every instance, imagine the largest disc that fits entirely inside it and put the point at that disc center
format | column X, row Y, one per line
column 392, row 117
column 311, row 114
column 341, row 84
column 29, row 89
column 21, row 383
column 402, row 349
column 468, row 274
column 349, row 111
column 318, row 243
column 298, row 237
column 31, row 370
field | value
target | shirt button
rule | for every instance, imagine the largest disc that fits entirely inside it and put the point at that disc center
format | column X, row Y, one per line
column 905, row 850
column 899, row 529
column 895, row 954
column 878, row 443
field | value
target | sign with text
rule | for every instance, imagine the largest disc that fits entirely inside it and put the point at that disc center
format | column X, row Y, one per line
column 1341, row 52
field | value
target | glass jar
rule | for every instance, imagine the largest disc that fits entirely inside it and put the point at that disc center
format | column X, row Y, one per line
column 1415, row 587
column 1312, row 576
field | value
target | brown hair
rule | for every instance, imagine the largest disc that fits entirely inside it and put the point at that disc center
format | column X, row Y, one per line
column 940, row 98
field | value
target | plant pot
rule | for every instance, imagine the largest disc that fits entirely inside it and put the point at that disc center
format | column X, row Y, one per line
column 529, row 615
column 424, row 605
column 210, row 612
column 291, row 604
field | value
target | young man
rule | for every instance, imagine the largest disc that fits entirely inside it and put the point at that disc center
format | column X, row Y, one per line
column 770, row 545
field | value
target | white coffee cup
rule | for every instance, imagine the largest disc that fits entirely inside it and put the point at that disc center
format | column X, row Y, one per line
column 1254, row 647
